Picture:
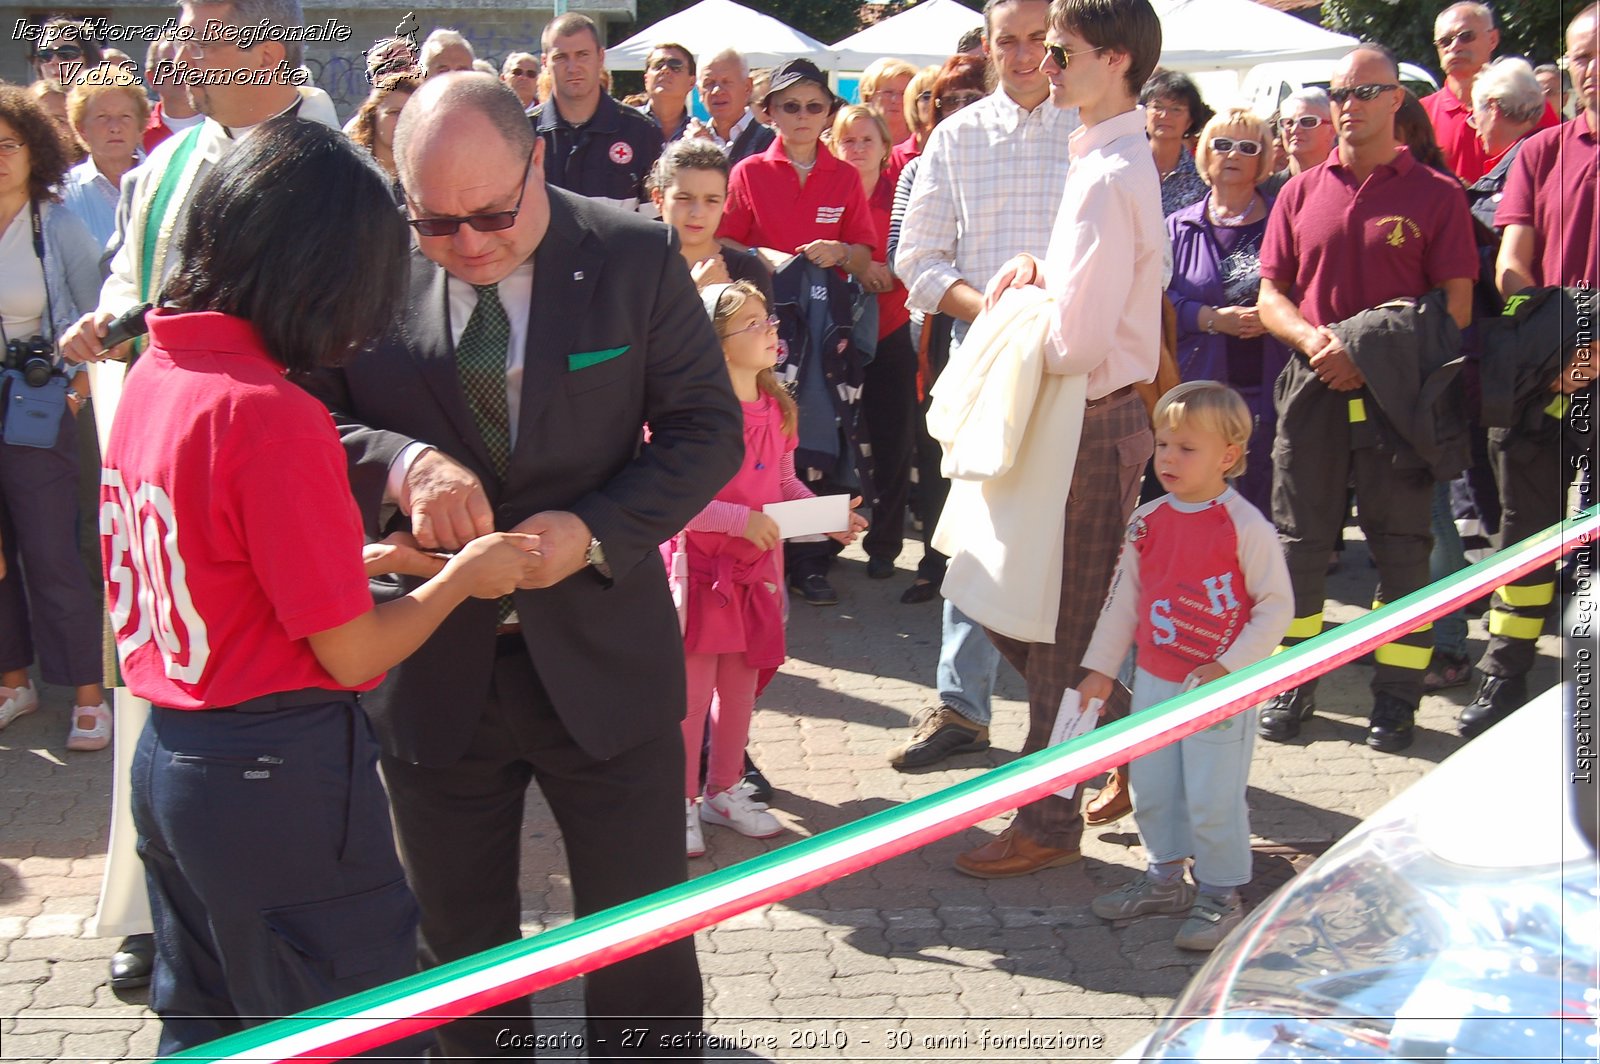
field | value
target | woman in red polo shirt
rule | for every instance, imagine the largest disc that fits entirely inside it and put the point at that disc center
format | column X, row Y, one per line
column 795, row 197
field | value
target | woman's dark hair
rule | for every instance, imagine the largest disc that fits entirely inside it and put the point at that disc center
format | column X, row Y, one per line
column 960, row 73
column 296, row 232
column 1171, row 85
column 60, row 30
column 47, row 156
column 1414, row 129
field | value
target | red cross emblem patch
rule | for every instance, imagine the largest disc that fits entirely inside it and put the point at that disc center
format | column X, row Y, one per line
column 621, row 153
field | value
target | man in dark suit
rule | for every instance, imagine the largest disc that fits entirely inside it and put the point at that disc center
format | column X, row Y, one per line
column 543, row 332
column 725, row 90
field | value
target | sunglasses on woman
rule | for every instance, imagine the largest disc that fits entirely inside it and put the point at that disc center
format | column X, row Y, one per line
column 951, row 102
column 488, row 222
column 1303, row 122
column 1224, row 145
column 1361, row 92
column 65, row 51
column 794, row 107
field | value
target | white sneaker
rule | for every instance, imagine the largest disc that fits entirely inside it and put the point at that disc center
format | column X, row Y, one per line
column 17, row 702
column 694, row 838
column 91, row 728
column 735, row 809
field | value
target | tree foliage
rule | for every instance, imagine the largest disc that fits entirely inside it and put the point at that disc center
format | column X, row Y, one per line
column 1530, row 28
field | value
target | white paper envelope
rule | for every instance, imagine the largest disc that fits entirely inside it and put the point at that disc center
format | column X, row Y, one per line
column 1073, row 720
column 810, row 517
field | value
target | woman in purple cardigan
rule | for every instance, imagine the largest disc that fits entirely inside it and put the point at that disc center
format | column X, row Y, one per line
column 1216, row 273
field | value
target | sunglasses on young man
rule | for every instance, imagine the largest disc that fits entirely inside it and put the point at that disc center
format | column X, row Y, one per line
column 1224, row 145
column 1365, row 93
column 794, row 107
column 1303, row 122
column 672, row 63
column 487, row 222
column 1061, row 57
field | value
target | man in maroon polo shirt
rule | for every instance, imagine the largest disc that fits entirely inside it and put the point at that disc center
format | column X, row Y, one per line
column 1550, row 212
column 1466, row 38
column 1368, row 226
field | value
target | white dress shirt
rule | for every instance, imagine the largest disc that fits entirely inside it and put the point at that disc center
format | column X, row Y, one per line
column 516, row 296
column 988, row 188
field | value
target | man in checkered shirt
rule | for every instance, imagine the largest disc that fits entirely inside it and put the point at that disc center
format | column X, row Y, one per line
column 989, row 186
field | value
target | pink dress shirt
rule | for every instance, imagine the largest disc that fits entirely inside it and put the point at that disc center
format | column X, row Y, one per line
column 1106, row 256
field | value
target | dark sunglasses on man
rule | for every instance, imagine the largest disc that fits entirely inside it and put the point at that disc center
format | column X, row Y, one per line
column 1365, row 93
column 1061, row 57
column 487, row 222
column 64, row 51
column 672, row 63
column 1464, row 36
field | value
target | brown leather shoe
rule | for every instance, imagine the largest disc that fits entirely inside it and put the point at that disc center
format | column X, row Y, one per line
column 1012, row 853
column 1112, row 803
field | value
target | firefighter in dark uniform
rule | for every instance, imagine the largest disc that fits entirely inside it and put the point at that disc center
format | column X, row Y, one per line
column 1550, row 216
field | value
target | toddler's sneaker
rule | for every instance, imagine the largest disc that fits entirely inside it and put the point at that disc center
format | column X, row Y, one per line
column 694, row 838
column 17, row 702
column 1143, row 896
column 736, row 809
column 1212, row 917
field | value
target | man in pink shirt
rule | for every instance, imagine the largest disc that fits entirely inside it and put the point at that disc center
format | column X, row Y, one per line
column 1466, row 38
column 1104, row 270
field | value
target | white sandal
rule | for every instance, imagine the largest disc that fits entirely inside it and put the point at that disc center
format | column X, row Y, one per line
column 94, row 737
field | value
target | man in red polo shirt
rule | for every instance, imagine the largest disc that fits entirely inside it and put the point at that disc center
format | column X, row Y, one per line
column 1369, row 225
column 1466, row 37
column 1550, row 212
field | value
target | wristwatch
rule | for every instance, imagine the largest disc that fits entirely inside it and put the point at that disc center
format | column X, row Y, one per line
column 596, row 556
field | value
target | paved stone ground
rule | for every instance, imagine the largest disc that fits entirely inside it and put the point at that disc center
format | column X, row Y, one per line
column 906, row 960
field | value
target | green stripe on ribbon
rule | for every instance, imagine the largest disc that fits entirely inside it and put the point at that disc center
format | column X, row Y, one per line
column 840, row 851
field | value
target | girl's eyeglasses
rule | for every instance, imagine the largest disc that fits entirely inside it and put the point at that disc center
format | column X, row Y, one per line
column 794, row 107
column 764, row 323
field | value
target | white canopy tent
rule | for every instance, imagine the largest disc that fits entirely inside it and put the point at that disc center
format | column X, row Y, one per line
column 1200, row 35
column 924, row 35
column 712, row 25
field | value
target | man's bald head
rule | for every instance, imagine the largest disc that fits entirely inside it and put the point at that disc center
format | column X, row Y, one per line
column 451, row 100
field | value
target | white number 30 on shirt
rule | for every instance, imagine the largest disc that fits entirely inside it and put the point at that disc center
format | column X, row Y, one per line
column 147, row 590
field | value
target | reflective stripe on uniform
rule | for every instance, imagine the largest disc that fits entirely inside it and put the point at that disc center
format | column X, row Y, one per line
column 1304, row 627
column 1358, row 410
column 1404, row 657
column 1511, row 626
column 1521, row 596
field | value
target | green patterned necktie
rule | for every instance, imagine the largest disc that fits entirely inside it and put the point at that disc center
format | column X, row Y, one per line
column 481, row 363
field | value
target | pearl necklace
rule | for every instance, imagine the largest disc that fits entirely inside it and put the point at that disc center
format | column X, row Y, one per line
column 1229, row 221
column 804, row 168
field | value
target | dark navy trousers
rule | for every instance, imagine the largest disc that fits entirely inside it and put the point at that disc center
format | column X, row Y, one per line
column 271, row 865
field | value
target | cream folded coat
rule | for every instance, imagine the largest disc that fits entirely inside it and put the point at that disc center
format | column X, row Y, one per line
column 1010, row 433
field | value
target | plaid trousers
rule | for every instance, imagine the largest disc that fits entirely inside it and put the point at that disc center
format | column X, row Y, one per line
column 1116, row 444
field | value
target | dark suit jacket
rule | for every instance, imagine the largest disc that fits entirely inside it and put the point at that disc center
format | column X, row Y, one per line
column 755, row 139
column 609, row 656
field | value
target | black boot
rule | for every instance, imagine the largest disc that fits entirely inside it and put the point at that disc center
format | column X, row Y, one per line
column 1393, row 724
column 1496, row 699
column 1283, row 714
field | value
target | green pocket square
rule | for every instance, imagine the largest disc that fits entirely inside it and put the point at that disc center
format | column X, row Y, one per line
column 585, row 359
